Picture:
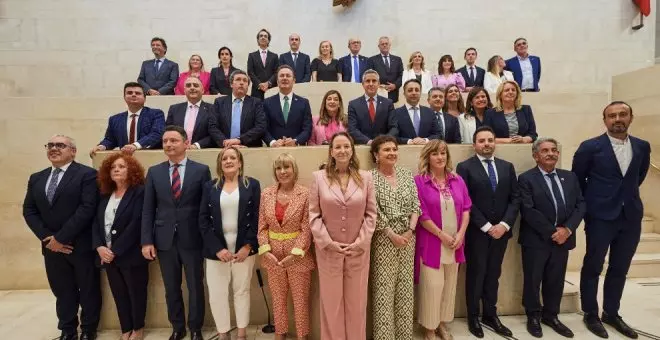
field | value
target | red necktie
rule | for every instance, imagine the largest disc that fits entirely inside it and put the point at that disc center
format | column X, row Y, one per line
column 131, row 130
column 176, row 182
column 372, row 110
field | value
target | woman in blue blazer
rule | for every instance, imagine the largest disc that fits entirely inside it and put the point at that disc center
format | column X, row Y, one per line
column 511, row 121
column 228, row 221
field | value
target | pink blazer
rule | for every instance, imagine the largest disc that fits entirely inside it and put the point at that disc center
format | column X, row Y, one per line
column 205, row 77
column 319, row 132
column 345, row 218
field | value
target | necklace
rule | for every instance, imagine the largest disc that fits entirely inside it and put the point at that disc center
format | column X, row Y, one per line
column 386, row 175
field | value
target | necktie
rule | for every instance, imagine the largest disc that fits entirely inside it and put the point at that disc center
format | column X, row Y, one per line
column 472, row 73
column 295, row 58
column 356, row 69
column 157, row 65
column 491, row 174
column 189, row 123
column 372, row 110
column 561, row 206
column 131, row 130
column 52, row 186
column 285, row 109
column 386, row 59
column 263, row 58
column 441, row 125
column 235, row 119
column 176, row 182
column 416, row 119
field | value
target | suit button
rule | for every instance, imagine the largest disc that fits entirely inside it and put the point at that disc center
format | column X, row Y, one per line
column 247, row 225
column 248, row 214
column 343, row 218
column 343, row 229
column 113, row 232
column 249, row 202
column 209, row 205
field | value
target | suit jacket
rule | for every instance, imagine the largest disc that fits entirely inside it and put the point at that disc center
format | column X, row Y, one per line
column 296, row 220
column 392, row 75
column 206, row 131
column 478, row 78
column 360, row 126
column 150, row 127
column 513, row 65
column 219, row 83
column 538, row 213
column 163, row 216
column 606, row 190
column 526, row 125
column 69, row 217
column 301, row 69
column 125, row 232
column 162, row 80
column 210, row 216
column 428, row 124
column 259, row 73
column 253, row 120
column 502, row 205
column 299, row 124
column 427, row 84
column 452, row 129
column 346, row 63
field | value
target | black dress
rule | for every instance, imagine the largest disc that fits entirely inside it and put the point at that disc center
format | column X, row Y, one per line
column 326, row 72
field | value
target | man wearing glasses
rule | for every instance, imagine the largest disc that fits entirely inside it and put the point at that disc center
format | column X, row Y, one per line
column 526, row 68
column 59, row 207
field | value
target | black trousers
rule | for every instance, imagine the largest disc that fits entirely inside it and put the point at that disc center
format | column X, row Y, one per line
column 172, row 262
column 544, row 269
column 74, row 280
column 483, row 259
column 621, row 236
column 129, row 289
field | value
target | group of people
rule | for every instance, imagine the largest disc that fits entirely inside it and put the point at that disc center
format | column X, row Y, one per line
column 382, row 230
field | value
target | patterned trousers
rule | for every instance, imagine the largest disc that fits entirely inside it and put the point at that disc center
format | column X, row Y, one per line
column 279, row 282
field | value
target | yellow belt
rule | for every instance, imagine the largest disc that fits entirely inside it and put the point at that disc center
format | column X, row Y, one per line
column 282, row 236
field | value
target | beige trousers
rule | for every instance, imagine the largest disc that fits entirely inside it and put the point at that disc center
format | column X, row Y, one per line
column 437, row 294
column 219, row 275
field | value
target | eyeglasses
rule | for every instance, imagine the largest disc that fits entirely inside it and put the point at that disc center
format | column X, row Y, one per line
column 58, row 146
column 522, row 43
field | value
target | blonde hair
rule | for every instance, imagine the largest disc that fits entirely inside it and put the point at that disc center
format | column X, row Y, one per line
column 353, row 163
column 500, row 89
column 332, row 53
column 433, row 146
column 201, row 69
column 283, row 159
column 218, row 166
column 410, row 60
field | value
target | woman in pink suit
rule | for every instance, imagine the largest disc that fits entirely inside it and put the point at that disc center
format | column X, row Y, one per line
column 195, row 69
column 331, row 119
column 342, row 215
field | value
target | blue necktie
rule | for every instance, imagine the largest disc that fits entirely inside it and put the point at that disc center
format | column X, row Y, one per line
column 235, row 119
column 561, row 206
column 416, row 119
column 157, row 65
column 438, row 116
column 356, row 69
column 52, row 186
column 491, row 174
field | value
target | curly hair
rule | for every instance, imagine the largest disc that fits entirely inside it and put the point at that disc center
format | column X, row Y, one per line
column 134, row 176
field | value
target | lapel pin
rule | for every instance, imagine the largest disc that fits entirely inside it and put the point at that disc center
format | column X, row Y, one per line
column 562, row 179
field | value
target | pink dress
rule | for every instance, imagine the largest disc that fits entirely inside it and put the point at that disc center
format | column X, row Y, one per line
column 457, row 79
column 205, row 77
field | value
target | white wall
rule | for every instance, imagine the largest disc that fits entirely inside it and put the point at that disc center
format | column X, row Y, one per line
column 89, row 47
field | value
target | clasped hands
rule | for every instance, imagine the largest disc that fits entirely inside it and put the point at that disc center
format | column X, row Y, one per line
column 400, row 241
column 225, row 255
column 497, row 231
column 284, row 141
column 453, row 242
column 105, row 254
column 389, row 87
column 561, row 235
column 286, row 261
column 352, row 249
column 55, row 246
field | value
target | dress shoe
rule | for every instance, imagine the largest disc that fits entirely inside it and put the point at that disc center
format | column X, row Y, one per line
column 618, row 324
column 72, row 336
column 558, row 326
column 534, row 327
column 86, row 335
column 497, row 326
column 595, row 326
column 475, row 327
column 196, row 335
column 178, row 335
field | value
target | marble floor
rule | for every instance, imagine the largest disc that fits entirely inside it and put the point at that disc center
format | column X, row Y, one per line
column 30, row 315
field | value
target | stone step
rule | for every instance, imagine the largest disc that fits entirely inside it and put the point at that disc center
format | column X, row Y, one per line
column 648, row 224
column 643, row 265
column 570, row 301
column 649, row 243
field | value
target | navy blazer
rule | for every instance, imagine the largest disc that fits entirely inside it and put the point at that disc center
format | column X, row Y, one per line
column 210, row 217
column 526, row 125
column 162, row 80
column 513, row 65
column 299, row 124
column 150, row 127
column 606, row 190
column 206, row 131
column 346, row 63
column 428, row 124
column 478, row 79
column 69, row 217
column 392, row 75
column 125, row 231
column 219, row 83
column 259, row 73
column 302, row 69
column 253, row 120
column 163, row 216
column 360, row 126
column 538, row 212
column 452, row 129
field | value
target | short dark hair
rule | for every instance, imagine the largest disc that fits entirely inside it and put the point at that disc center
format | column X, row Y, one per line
column 134, row 84
column 617, row 102
column 468, row 50
column 235, row 73
column 518, row 39
column 413, row 80
column 264, row 30
column 162, row 41
column 178, row 129
column 231, row 55
column 482, row 129
column 377, row 142
column 283, row 66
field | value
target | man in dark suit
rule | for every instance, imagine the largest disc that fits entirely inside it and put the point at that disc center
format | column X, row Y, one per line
column 610, row 168
column 371, row 115
column 138, row 128
column 59, row 207
column 493, row 188
column 172, row 196
column 288, row 116
column 552, row 208
column 416, row 123
column 158, row 76
column 241, row 118
column 195, row 116
column 262, row 66
column 298, row 61
column 450, row 130
column 526, row 68
column 473, row 74
column 389, row 68
column 354, row 64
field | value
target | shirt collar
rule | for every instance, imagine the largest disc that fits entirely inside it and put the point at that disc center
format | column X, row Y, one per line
column 290, row 95
column 292, row 52
column 262, row 51
column 233, row 98
column 384, row 55
column 366, row 97
column 482, row 158
column 617, row 141
column 353, row 55
column 134, row 113
column 409, row 107
column 522, row 58
column 182, row 163
column 62, row 168
column 554, row 171
column 198, row 103
column 467, row 67
column 161, row 59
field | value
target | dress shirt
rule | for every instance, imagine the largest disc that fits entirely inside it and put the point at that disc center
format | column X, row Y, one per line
column 486, row 227
column 386, row 60
column 157, row 64
column 354, row 72
column 623, row 152
column 59, row 177
column 441, row 116
column 549, row 184
column 375, row 97
column 527, row 73
column 472, row 69
column 185, row 118
column 128, row 127
column 282, row 95
column 182, row 170
column 411, row 114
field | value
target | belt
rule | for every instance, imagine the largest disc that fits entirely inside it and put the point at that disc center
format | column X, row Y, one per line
column 282, row 236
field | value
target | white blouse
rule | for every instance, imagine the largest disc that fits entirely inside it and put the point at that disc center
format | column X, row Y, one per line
column 229, row 209
column 467, row 125
column 109, row 218
column 492, row 82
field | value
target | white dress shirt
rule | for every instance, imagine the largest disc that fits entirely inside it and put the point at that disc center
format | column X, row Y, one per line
column 527, row 73
column 549, row 184
column 182, row 170
column 366, row 98
column 486, row 227
column 59, row 177
column 623, row 152
column 290, row 97
column 137, row 125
